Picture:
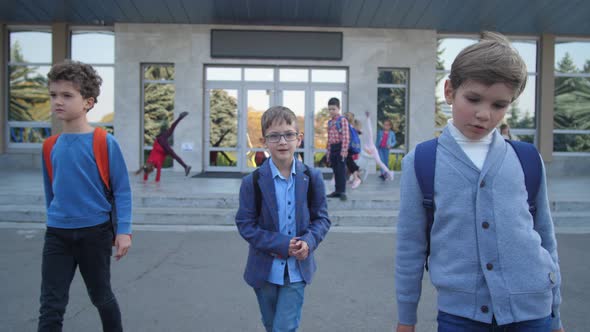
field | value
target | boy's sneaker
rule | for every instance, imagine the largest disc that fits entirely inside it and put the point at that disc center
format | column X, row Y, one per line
column 382, row 176
column 187, row 170
column 356, row 183
column 183, row 114
column 343, row 197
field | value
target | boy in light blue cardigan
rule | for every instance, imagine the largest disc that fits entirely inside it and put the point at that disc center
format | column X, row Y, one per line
column 493, row 266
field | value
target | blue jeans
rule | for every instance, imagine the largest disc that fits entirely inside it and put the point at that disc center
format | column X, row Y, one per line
column 452, row 323
column 89, row 249
column 280, row 306
column 384, row 156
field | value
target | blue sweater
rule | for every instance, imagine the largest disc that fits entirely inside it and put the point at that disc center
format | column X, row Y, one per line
column 76, row 198
column 486, row 252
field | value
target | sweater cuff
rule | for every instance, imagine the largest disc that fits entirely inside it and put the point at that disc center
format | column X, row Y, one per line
column 555, row 321
column 123, row 228
column 407, row 313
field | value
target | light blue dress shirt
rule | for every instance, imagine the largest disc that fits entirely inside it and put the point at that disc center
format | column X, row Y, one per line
column 285, row 194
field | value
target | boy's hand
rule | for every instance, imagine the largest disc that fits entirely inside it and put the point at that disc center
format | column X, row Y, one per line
column 405, row 328
column 303, row 250
column 293, row 247
column 122, row 244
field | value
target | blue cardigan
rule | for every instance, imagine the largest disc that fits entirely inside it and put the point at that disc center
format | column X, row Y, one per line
column 486, row 252
column 262, row 232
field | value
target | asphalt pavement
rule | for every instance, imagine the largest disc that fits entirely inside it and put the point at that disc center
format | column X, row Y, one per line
column 178, row 280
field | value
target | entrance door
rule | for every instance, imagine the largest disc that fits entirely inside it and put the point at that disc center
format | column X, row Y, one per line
column 236, row 98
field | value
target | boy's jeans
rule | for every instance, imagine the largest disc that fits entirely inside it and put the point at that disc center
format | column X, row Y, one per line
column 89, row 249
column 452, row 323
column 281, row 305
column 339, row 167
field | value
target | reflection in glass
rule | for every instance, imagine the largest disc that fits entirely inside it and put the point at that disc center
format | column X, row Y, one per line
column 392, row 76
column 571, row 142
column 521, row 113
column 29, row 99
column 391, row 105
column 321, row 116
column 443, row 110
column 158, row 110
column 572, row 56
column 259, row 74
column 224, row 74
column 222, row 158
column 94, row 47
column 103, row 110
column 293, row 75
column 223, row 118
column 527, row 49
column 30, row 46
column 158, row 72
column 258, row 102
column 255, row 158
column 449, row 48
column 572, row 103
column 319, row 159
column 328, row 75
column 29, row 135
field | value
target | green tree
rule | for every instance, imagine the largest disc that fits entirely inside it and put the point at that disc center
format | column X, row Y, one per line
column 440, row 119
column 572, row 106
column 29, row 99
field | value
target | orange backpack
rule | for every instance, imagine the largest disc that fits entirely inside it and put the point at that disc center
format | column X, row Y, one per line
column 101, row 155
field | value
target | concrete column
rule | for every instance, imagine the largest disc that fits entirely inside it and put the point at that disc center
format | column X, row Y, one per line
column 4, row 47
column 547, row 98
column 60, row 47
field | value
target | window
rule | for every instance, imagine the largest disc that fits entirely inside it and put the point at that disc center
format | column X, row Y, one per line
column 392, row 97
column 157, row 104
column 29, row 111
column 97, row 48
column 521, row 114
column 571, row 117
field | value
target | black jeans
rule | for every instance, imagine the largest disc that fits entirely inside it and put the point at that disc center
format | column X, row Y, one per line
column 89, row 249
column 339, row 167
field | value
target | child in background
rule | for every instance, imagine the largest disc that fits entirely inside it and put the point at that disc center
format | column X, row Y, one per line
column 160, row 150
column 350, row 159
column 385, row 141
column 493, row 263
column 337, row 149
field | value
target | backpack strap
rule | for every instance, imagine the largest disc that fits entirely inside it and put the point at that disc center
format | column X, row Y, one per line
column 47, row 147
column 258, row 193
column 532, row 167
column 101, row 155
column 424, row 166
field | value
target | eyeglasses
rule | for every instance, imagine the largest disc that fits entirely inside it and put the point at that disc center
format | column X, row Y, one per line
column 275, row 137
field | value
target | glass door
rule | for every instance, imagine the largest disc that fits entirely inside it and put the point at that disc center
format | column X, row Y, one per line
column 222, row 139
column 295, row 100
column 254, row 154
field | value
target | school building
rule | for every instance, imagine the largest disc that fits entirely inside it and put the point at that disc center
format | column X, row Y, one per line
column 226, row 61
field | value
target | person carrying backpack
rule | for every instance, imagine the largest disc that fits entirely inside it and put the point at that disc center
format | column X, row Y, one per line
column 83, row 201
column 283, row 216
column 491, row 252
column 337, row 147
column 353, row 151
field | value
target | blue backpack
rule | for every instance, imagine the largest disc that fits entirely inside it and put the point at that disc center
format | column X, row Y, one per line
column 424, row 165
column 354, row 147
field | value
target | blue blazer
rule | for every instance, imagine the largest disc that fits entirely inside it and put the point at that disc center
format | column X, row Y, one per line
column 390, row 139
column 262, row 232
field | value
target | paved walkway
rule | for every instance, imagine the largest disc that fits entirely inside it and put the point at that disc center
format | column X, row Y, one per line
column 569, row 196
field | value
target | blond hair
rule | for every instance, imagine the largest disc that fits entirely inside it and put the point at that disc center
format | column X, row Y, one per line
column 492, row 60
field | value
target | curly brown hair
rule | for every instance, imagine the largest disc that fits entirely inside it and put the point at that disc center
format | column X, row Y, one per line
column 83, row 76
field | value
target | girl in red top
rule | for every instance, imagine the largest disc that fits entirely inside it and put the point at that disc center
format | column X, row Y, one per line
column 160, row 150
